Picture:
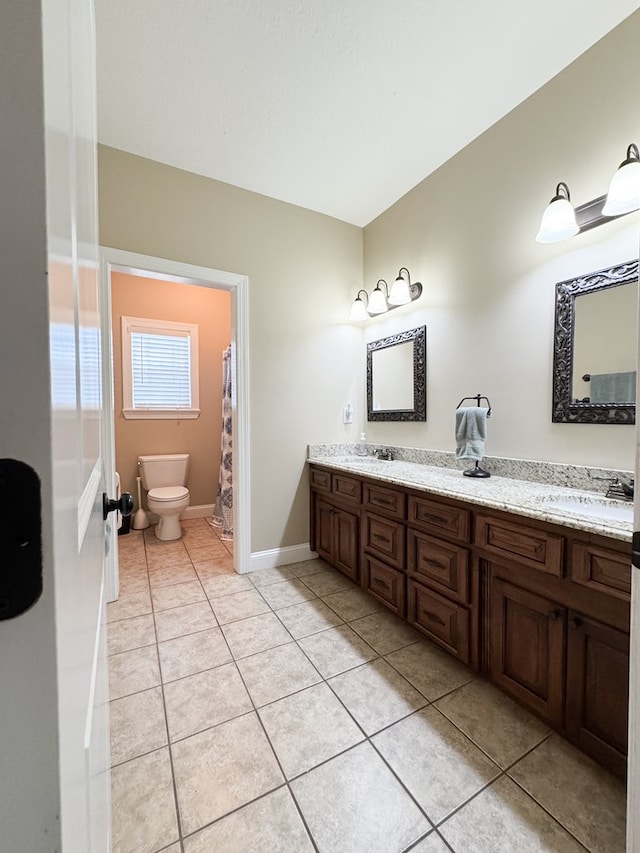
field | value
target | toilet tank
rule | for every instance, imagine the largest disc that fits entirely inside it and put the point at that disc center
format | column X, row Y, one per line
column 164, row 470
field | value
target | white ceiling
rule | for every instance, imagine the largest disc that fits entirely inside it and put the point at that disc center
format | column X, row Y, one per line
column 340, row 106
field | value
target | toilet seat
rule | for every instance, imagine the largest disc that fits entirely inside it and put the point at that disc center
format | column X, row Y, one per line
column 168, row 493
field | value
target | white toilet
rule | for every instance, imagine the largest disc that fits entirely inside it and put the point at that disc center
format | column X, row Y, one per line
column 165, row 478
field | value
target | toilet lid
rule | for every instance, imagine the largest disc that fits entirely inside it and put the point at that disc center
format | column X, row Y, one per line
column 169, row 493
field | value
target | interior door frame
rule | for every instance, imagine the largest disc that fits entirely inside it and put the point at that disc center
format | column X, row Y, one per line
column 118, row 260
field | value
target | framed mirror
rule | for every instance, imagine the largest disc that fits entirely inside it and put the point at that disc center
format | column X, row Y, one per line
column 397, row 377
column 595, row 343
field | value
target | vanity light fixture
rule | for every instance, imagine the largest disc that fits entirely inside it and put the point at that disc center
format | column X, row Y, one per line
column 402, row 292
column 624, row 189
column 378, row 300
column 359, row 307
column 401, row 289
column 561, row 220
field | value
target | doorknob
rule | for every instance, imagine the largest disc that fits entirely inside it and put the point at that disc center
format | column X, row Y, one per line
column 125, row 505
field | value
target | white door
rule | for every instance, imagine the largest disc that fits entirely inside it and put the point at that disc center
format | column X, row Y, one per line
column 76, row 391
column 633, row 777
column 633, row 765
column 54, row 782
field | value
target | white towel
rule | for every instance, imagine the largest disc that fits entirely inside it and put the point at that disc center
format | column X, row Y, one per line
column 471, row 431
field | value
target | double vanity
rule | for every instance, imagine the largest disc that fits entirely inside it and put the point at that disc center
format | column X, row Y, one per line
column 525, row 582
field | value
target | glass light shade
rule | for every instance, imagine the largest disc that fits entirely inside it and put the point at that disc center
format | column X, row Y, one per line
column 377, row 302
column 400, row 294
column 358, row 310
column 624, row 190
column 558, row 222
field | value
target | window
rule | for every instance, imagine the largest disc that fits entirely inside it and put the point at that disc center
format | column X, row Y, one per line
column 159, row 369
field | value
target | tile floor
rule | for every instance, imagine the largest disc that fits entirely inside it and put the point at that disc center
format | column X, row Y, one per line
column 284, row 710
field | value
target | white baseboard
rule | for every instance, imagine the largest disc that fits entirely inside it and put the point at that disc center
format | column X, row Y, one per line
column 198, row 511
column 280, row 557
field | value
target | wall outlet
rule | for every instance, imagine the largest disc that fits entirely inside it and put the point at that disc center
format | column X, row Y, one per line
column 347, row 414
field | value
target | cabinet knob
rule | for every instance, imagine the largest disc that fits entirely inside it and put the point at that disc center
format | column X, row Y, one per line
column 575, row 621
column 552, row 615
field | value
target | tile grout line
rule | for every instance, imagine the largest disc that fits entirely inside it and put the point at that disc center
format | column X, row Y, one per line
column 430, row 703
column 166, row 724
column 541, row 805
column 234, row 660
column 326, row 680
column 275, row 754
column 366, row 737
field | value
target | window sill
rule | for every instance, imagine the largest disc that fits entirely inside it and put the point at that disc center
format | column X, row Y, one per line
column 161, row 414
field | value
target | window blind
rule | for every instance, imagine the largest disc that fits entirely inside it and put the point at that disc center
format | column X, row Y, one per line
column 160, row 371
column 63, row 366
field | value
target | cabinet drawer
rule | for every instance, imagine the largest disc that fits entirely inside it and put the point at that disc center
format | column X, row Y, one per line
column 347, row 488
column 439, row 519
column 441, row 620
column 383, row 538
column 320, row 480
column 439, row 565
column 534, row 548
column 384, row 583
column 384, row 501
column 601, row 569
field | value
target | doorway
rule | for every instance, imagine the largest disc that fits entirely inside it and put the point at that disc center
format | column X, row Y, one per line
column 115, row 262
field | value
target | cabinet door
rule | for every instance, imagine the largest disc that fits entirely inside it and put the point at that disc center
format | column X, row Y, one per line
column 345, row 543
column 598, row 690
column 526, row 656
column 324, row 530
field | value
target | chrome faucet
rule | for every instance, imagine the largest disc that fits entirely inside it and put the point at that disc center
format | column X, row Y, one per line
column 384, row 453
column 617, row 489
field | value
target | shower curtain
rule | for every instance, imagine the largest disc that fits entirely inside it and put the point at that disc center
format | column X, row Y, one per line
column 223, row 509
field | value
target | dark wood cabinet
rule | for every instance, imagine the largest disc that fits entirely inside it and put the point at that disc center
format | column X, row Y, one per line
column 597, row 696
column 444, row 520
column 384, row 501
column 383, row 538
column 385, row 583
column 540, row 609
column 443, row 621
column 601, row 569
column 526, row 649
column 439, row 565
column 337, row 538
column 521, row 543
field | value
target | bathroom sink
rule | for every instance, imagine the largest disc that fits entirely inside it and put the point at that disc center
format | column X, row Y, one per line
column 360, row 460
column 595, row 507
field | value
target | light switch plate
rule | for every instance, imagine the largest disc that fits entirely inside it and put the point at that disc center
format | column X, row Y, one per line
column 347, row 414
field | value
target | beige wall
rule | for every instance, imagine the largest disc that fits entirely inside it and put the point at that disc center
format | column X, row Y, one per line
column 134, row 296
column 467, row 232
column 304, row 268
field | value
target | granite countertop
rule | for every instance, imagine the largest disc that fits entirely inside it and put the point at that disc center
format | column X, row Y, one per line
column 582, row 510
